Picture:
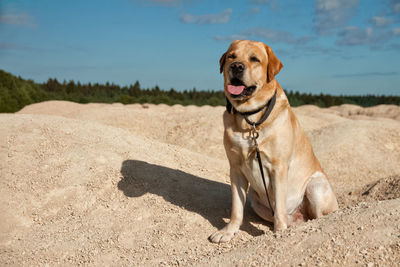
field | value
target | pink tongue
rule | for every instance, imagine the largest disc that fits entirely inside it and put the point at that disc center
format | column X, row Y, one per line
column 236, row 90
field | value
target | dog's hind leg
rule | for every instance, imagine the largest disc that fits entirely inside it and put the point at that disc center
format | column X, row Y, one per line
column 320, row 198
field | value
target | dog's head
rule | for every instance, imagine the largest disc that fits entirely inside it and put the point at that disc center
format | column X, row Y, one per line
column 248, row 68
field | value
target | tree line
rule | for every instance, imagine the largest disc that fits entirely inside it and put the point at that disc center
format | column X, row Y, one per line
column 16, row 92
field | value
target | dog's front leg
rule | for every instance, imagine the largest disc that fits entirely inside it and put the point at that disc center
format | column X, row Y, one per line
column 239, row 188
column 279, row 184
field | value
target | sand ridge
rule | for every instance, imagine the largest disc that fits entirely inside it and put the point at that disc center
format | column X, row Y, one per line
column 103, row 184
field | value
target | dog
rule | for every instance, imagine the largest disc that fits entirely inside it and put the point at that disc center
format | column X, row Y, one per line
column 296, row 187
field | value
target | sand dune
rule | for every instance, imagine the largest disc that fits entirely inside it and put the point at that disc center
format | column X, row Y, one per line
column 103, row 184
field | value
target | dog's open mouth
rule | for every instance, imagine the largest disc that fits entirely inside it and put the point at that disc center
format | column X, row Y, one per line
column 237, row 88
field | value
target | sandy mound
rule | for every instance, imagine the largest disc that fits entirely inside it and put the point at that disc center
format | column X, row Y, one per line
column 184, row 126
column 85, row 192
column 357, row 112
column 382, row 189
column 145, row 185
column 387, row 188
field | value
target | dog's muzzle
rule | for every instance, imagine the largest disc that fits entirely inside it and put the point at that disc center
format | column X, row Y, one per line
column 237, row 69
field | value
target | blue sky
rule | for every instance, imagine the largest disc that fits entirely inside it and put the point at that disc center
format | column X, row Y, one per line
column 328, row 46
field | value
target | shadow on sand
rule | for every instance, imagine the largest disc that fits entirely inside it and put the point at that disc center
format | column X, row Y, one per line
column 210, row 199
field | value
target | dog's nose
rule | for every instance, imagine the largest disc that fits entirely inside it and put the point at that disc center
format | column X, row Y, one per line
column 237, row 68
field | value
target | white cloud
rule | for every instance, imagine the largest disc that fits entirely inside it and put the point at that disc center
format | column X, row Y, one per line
column 396, row 31
column 20, row 47
column 230, row 38
column 13, row 46
column 395, row 6
column 267, row 34
column 332, row 14
column 381, row 21
column 260, row 2
column 254, row 10
column 162, row 1
column 219, row 18
column 18, row 19
column 366, row 74
column 321, row 49
column 276, row 36
column 273, row 4
column 170, row 3
column 355, row 36
column 394, row 47
column 352, row 36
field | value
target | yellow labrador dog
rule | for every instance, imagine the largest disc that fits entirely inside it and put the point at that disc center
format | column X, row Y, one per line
column 259, row 118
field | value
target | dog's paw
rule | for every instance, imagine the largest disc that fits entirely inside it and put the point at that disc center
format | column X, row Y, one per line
column 221, row 236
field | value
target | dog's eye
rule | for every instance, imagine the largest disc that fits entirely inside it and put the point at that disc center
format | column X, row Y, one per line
column 254, row 59
column 232, row 56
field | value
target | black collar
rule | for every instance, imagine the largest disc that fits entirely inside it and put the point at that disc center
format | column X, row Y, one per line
column 270, row 104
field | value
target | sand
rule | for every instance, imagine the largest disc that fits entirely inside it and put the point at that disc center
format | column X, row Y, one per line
column 145, row 185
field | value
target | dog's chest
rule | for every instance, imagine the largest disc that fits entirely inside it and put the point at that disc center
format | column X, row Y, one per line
column 244, row 148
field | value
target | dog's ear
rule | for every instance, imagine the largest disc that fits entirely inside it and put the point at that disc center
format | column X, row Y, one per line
column 222, row 63
column 274, row 64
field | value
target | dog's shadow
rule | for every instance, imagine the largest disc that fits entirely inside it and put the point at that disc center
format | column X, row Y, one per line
column 210, row 199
